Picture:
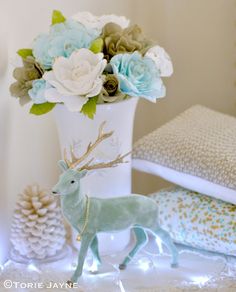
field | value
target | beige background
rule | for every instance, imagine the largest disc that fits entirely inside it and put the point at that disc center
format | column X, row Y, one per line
column 198, row 34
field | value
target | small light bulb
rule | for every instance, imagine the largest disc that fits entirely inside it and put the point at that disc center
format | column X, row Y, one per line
column 31, row 267
column 94, row 267
column 201, row 280
column 144, row 264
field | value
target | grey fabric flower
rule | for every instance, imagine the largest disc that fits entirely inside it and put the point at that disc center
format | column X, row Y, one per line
column 110, row 91
column 25, row 75
column 111, row 84
column 118, row 40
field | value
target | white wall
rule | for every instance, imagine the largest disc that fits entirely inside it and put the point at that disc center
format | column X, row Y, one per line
column 30, row 143
column 199, row 35
column 33, row 140
column 4, row 126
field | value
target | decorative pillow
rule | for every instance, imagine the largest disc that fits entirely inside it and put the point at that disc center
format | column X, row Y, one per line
column 196, row 150
column 197, row 220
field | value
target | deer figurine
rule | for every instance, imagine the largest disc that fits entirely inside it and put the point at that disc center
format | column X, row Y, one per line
column 90, row 215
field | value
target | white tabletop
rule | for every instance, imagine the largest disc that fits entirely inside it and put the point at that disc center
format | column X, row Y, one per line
column 149, row 272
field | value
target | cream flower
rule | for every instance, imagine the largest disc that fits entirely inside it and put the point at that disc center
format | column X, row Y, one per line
column 98, row 22
column 75, row 79
column 161, row 59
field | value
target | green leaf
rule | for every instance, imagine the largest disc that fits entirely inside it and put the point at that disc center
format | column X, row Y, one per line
column 89, row 109
column 41, row 109
column 97, row 46
column 25, row 53
column 57, row 17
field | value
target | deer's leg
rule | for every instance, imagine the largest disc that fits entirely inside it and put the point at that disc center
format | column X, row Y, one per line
column 96, row 256
column 166, row 239
column 86, row 240
column 141, row 240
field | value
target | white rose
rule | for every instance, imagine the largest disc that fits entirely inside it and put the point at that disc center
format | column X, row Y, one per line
column 75, row 79
column 161, row 59
column 98, row 22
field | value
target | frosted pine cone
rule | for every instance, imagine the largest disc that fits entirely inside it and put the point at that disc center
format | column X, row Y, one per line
column 37, row 230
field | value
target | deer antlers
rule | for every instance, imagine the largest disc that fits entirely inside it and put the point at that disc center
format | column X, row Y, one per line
column 75, row 161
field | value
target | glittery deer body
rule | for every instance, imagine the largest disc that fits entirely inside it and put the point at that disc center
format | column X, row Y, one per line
column 89, row 215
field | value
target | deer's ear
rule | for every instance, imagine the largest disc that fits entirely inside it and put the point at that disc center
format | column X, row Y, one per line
column 63, row 166
column 83, row 173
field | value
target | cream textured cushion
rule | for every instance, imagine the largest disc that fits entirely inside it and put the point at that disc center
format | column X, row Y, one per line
column 196, row 150
column 197, row 220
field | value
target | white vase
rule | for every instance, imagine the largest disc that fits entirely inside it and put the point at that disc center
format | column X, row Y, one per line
column 77, row 129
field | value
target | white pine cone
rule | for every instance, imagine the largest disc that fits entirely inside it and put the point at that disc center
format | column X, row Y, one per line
column 37, row 230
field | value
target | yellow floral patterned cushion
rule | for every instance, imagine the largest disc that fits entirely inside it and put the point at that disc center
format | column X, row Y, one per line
column 197, row 220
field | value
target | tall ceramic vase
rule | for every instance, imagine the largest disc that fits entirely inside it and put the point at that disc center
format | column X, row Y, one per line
column 79, row 130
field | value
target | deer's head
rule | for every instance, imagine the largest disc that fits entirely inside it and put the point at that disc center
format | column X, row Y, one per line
column 74, row 171
column 69, row 181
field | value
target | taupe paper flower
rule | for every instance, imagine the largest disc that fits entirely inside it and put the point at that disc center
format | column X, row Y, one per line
column 118, row 40
column 105, row 98
column 25, row 75
column 110, row 91
column 111, row 84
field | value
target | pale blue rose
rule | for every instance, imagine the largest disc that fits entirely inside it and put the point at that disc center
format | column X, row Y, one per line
column 62, row 40
column 138, row 76
column 37, row 92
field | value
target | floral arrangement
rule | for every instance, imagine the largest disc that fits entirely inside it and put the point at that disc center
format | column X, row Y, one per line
column 88, row 60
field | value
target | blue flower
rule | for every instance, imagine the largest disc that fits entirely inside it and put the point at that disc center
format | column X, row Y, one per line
column 37, row 92
column 62, row 40
column 138, row 76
